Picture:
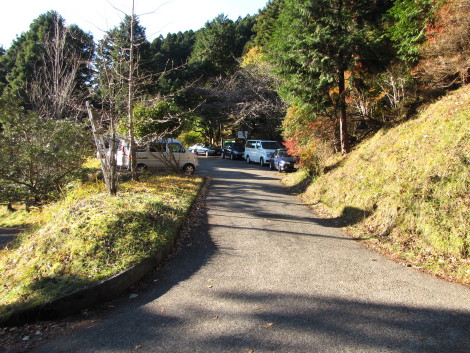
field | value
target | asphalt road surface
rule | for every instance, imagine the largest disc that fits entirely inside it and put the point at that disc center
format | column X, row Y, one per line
column 7, row 235
column 264, row 274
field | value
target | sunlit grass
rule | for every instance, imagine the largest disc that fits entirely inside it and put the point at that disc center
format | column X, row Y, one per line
column 411, row 183
column 19, row 218
column 90, row 236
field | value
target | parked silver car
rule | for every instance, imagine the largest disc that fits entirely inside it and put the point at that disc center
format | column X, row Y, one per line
column 160, row 154
column 205, row 149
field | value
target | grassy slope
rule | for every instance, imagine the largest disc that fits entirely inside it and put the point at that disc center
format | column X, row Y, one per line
column 90, row 236
column 407, row 188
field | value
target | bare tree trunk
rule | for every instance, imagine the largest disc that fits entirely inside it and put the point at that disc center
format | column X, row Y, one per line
column 107, row 161
column 130, row 101
column 343, row 126
column 52, row 89
column 343, row 123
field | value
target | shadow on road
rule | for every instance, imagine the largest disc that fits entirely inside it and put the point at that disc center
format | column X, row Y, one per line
column 7, row 235
column 289, row 323
column 237, row 318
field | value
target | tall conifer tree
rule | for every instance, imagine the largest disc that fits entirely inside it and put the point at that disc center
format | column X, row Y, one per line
column 315, row 44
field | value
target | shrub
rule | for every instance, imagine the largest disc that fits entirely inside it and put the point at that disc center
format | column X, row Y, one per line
column 308, row 137
column 37, row 155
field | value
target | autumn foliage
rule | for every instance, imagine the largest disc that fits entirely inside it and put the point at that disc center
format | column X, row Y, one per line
column 446, row 54
column 308, row 137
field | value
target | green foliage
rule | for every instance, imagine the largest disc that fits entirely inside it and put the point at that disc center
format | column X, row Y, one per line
column 170, row 57
column 220, row 42
column 266, row 22
column 172, row 50
column 26, row 56
column 244, row 28
column 37, row 156
column 3, row 70
column 315, row 41
column 117, row 41
column 112, row 63
column 160, row 119
column 317, row 44
column 215, row 43
column 190, row 138
column 409, row 19
column 90, row 236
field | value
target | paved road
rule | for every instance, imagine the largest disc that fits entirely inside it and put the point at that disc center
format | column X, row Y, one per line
column 263, row 274
column 7, row 235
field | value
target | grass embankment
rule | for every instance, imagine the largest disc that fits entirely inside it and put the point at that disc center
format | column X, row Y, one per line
column 90, row 236
column 407, row 189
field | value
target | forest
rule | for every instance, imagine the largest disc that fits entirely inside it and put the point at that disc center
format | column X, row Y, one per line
column 320, row 76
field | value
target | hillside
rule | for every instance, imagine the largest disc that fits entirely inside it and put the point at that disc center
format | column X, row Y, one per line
column 406, row 189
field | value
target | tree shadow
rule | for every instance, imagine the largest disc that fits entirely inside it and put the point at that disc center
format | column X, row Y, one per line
column 182, row 311
column 7, row 235
column 34, row 309
column 331, row 167
column 64, row 294
column 351, row 216
column 277, row 322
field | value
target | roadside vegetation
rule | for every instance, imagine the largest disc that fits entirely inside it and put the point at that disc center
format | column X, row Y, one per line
column 339, row 82
column 90, row 236
column 405, row 189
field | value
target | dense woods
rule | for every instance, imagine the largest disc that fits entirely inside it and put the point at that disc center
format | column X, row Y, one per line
column 318, row 75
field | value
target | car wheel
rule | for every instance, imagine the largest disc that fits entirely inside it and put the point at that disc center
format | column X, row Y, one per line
column 261, row 161
column 189, row 169
column 248, row 159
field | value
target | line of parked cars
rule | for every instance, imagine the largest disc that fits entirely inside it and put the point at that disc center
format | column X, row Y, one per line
column 262, row 152
column 168, row 153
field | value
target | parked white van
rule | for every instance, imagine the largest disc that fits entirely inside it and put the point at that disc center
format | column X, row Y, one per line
column 160, row 154
column 260, row 151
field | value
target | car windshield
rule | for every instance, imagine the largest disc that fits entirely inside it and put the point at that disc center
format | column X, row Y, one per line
column 270, row 145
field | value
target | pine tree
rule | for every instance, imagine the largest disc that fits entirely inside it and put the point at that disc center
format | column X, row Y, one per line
column 49, row 45
column 215, row 45
column 315, row 44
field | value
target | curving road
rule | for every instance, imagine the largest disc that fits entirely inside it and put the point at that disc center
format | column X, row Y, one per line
column 263, row 274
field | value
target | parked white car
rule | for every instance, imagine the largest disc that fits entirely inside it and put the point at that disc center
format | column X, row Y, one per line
column 160, row 154
column 260, row 151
